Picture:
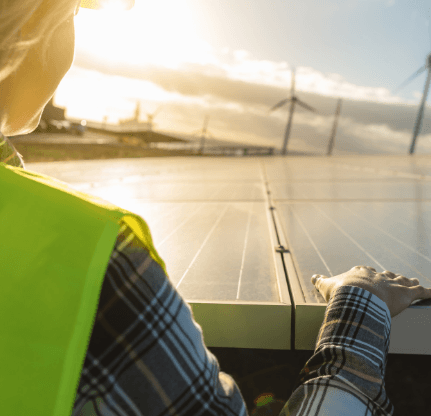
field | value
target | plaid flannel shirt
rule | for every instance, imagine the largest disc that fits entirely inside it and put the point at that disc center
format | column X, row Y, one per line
column 147, row 355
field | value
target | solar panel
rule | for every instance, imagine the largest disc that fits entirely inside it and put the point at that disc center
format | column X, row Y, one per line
column 212, row 224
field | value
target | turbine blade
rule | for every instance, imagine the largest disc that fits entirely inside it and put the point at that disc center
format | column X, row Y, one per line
column 418, row 72
column 302, row 104
column 280, row 104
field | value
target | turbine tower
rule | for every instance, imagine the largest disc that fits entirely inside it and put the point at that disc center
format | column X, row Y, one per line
column 334, row 128
column 419, row 117
column 293, row 100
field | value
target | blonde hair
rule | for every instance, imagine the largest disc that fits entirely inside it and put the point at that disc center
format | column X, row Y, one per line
column 14, row 14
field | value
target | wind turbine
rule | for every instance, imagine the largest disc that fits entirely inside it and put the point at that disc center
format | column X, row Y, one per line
column 419, row 117
column 334, row 128
column 293, row 100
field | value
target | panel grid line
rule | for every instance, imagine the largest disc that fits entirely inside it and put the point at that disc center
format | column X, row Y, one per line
column 244, row 250
column 349, row 237
column 399, row 241
column 391, row 236
column 203, row 244
column 180, row 225
column 311, row 240
column 397, row 256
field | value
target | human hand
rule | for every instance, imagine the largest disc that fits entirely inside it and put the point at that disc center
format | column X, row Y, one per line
column 397, row 291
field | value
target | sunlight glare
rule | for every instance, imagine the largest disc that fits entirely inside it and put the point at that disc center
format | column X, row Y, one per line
column 152, row 33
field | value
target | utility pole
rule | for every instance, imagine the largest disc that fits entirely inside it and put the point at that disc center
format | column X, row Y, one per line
column 334, row 129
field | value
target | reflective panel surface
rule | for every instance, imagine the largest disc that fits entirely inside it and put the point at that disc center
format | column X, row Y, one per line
column 214, row 234
column 330, row 238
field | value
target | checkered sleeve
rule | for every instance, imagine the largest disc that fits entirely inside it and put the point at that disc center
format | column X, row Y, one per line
column 345, row 376
column 146, row 354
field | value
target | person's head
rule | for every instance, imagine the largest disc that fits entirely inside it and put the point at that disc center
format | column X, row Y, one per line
column 37, row 42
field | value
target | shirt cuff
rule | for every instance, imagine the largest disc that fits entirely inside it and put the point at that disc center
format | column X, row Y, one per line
column 360, row 321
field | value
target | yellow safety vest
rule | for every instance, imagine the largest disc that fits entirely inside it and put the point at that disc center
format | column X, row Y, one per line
column 54, row 250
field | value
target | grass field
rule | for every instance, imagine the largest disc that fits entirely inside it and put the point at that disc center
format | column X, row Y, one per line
column 48, row 152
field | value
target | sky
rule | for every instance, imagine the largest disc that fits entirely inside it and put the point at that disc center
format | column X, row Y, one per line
column 233, row 59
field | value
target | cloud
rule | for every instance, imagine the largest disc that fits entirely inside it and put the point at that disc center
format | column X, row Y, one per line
column 238, row 66
column 237, row 91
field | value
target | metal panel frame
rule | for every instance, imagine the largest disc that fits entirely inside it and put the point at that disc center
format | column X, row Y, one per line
column 243, row 324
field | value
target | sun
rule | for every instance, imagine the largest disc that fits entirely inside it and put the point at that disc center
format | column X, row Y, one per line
column 156, row 33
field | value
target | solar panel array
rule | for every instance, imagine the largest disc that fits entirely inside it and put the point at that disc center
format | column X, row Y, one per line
column 212, row 224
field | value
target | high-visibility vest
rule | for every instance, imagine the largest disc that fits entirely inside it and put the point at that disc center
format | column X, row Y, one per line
column 55, row 247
